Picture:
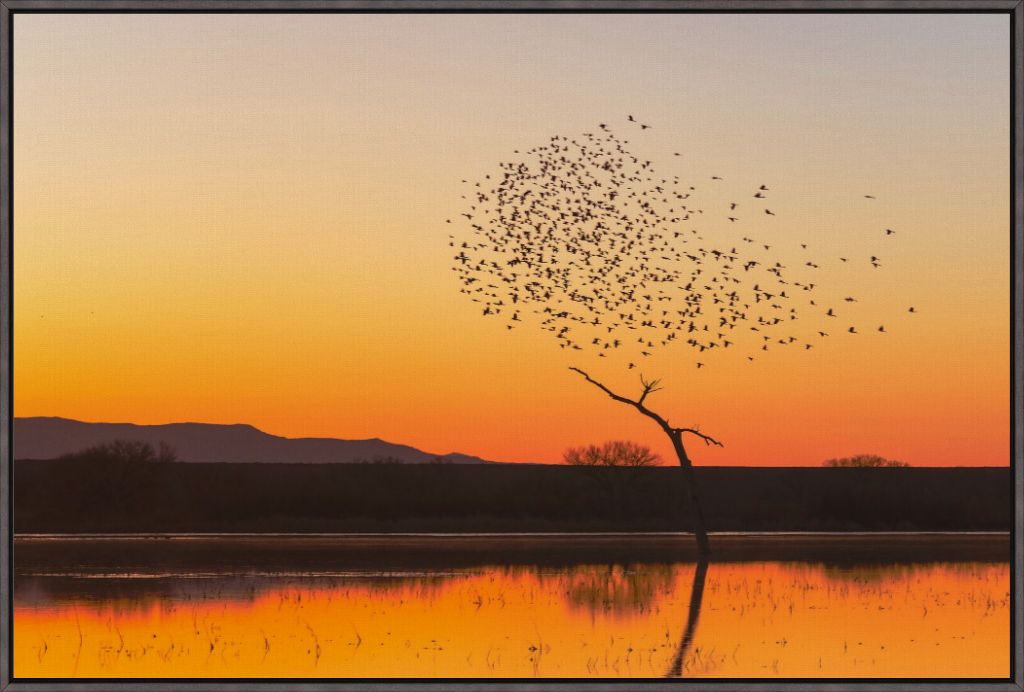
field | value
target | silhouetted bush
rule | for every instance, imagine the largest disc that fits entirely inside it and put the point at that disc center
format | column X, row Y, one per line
column 614, row 453
column 129, row 451
column 865, row 461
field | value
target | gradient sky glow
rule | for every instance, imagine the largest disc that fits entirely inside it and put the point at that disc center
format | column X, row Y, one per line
column 241, row 218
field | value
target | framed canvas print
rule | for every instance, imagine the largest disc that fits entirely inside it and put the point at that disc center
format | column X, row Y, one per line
column 510, row 345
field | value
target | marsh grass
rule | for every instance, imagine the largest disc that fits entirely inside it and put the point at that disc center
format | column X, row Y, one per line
column 759, row 619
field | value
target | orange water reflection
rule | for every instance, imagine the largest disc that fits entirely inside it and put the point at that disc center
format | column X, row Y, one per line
column 761, row 619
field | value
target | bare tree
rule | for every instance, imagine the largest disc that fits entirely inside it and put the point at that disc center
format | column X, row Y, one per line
column 614, row 453
column 676, row 436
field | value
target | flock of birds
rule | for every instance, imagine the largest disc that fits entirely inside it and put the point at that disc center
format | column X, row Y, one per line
column 610, row 257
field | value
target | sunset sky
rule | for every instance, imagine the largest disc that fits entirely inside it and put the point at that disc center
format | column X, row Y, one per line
column 241, row 218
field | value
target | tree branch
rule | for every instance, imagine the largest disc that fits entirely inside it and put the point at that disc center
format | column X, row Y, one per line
column 604, row 389
column 708, row 440
column 649, row 387
column 638, row 405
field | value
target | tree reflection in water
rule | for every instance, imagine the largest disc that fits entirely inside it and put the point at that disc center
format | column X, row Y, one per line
column 618, row 589
column 696, row 597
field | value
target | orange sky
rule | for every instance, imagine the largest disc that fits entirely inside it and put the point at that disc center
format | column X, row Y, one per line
column 248, row 226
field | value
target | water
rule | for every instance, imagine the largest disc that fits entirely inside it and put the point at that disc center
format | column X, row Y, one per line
column 306, row 610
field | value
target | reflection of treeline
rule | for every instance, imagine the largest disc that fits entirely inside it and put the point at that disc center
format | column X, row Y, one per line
column 79, row 495
column 617, row 589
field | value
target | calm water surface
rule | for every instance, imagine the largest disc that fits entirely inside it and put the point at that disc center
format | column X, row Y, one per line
column 758, row 618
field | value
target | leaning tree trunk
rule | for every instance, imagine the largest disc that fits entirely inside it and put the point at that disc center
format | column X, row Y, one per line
column 696, row 510
column 676, row 435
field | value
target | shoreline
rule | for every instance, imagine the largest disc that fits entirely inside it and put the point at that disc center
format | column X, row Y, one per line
column 539, row 535
column 249, row 553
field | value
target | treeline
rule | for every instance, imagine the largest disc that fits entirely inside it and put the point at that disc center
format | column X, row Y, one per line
column 74, row 495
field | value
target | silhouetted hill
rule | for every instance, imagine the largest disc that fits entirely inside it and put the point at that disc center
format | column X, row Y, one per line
column 122, row 497
column 49, row 438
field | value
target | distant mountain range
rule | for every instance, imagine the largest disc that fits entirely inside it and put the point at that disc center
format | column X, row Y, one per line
column 48, row 438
